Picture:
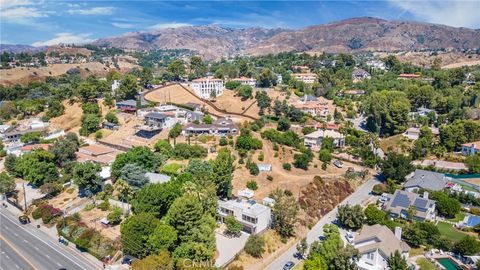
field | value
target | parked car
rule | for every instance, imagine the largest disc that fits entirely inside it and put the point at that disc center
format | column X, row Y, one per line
column 338, row 163
column 127, row 259
column 349, row 236
column 24, row 219
column 289, row 265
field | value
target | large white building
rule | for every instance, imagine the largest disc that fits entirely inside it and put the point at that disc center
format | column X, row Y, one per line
column 305, row 77
column 246, row 81
column 314, row 139
column 204, row 87
column 255, row 217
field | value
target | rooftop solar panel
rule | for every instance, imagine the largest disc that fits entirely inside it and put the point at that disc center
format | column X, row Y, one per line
column 420, row 203
column 401, row 200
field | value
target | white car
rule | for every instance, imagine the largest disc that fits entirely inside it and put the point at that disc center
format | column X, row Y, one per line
column 349, row 236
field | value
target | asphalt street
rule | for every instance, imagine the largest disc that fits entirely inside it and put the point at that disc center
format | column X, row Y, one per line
column 29, row 248
column 358, row 197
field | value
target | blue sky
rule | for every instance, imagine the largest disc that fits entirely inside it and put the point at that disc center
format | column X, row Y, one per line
column 47, row 22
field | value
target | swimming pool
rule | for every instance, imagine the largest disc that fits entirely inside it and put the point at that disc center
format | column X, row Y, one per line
column 449, row 264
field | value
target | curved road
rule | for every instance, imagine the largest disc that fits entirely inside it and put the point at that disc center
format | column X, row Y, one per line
column 358, row 197
column 26, row 247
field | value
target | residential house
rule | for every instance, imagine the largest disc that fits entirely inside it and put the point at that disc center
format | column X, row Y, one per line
column 220, row 127
column 255, row 217
column 376, row 64
column 307, row 98
column 97, row 153
column 246, row 81
column 422, row 179
column 408, row 76
column 204, row 87
column 313, row 108
column 110, row 125
column 305, row 77
column 130, row 105
column 354, row 92
column 414, row 132
column 422, row 111
column 401, row 202
column 302, row 69
column 15, row 134
column 158, row 121
column 471, row 148
column 314, row 139
column 375, row 244
column 264, row 167
column 115, row 86
column 360, row 74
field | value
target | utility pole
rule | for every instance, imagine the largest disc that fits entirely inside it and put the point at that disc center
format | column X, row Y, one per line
column 24, row 198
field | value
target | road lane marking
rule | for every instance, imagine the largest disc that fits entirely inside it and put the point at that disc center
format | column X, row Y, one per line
column 49, row 245
column 36, row 248
column 18, row 253
column 15, row 234
column 17, row 266
column 46, row 255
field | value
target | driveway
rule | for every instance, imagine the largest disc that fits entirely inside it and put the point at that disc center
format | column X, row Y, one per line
column 228, row 247
column 360, row 196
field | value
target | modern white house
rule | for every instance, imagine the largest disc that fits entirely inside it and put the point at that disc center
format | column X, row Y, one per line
column 314, row 139
column 375, row 244
column 305, row 77
column 255, row 217
column 471, row 148
column 360, row 74
column 246, row 81
column 204, row 87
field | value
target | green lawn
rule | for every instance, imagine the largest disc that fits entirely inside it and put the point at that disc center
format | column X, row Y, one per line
column 449, row 231
column 458, row 217
column 416, row 251
column 425, row 264
column 172, row 168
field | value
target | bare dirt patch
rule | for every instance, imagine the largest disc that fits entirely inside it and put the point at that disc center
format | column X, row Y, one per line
column 71, row 120
column 92, row 219
column 397, row 143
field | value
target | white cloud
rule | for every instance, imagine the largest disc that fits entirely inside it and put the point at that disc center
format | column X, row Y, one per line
column 123, row 25
column 66, row 38
column 92, row 11
column 21, row 12
column 453, row 13
column 5, row 4
column 169, row 25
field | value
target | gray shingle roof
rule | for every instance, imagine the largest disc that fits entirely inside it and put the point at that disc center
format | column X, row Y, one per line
column 427, row 180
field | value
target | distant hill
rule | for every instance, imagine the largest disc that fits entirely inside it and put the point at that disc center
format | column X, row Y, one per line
column 351, row 35
column 18, row 48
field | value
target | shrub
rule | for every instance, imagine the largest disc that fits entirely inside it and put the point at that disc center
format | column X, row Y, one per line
column 287, row 166
column 255, row 246
column 89, row 207
column 46, row 212
column 234, row 227
column 379, row 189
column 253, row 168
column 104, row 205
column 223, row 141
column 269, row 178
column 252, row 185
column 98, row 134
column 115, row 217
column 261, row 157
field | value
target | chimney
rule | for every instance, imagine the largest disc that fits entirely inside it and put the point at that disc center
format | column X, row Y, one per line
column 425, row 194
column 398, row 233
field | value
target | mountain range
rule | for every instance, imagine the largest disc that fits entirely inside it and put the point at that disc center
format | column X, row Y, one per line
column 351, row 35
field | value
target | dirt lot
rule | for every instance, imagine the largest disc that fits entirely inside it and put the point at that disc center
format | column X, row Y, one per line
column 228, row 101
column 92, row 219
column 24, row 75
column 397, row 143
column 71, row 120
column 475, row 181
column 293, row 180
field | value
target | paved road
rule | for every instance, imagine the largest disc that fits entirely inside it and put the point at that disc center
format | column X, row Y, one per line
column 30, row 248
column 359, row 196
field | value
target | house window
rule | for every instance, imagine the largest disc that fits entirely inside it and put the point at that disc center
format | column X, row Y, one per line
column 227, row 211
column 249, row 219
column 370, row 256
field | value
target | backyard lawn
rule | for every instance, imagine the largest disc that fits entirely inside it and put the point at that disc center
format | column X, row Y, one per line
column 425, row 264
column 458, row 217
column 449, row 231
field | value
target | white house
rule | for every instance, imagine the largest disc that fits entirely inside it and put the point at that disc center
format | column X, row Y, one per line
column 399, row 204
column 246, row 81
column 255, row 217
column 360, row 74
column 204, row 87
column 265, row 167
column 375, row 244
column 471, row 148
column 305, row 77
column 314, row 139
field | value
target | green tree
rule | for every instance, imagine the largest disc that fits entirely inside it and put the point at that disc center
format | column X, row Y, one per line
column 446, row 205
column 396, row 166
column 86, row 91
column 197, row 67
column 255, row 246
column 160, row 261
column 397, row 262
column 64, row 149
column 7, row 183
column 163, row 147
column 351, row 216
column 177, row 69
column 164, row 237
column 31, row 137
column 37, row 167
column 325, row 155
column 233, row 226
column 185, row 214
column 140, row 155
column 467, row 246
column 115, row 217
column 207, row 119
column 134, row 175
column 231, row 85
column 174, row 132
column 373, row 215
column 223, row 169
column 302, row 247
column 283, row 124
column 263, row 101
column 266, row 78
column 315, row 262
column 55, row 108
column 157, row 198
column 473, row 163
column 245, row 92
column 134, row 233
column 86, row 176
column 90, row 124
column 128, row 88
column 285, row 212
column 111, row 117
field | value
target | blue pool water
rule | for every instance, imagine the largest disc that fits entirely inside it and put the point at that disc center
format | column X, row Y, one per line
column 449, row 264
